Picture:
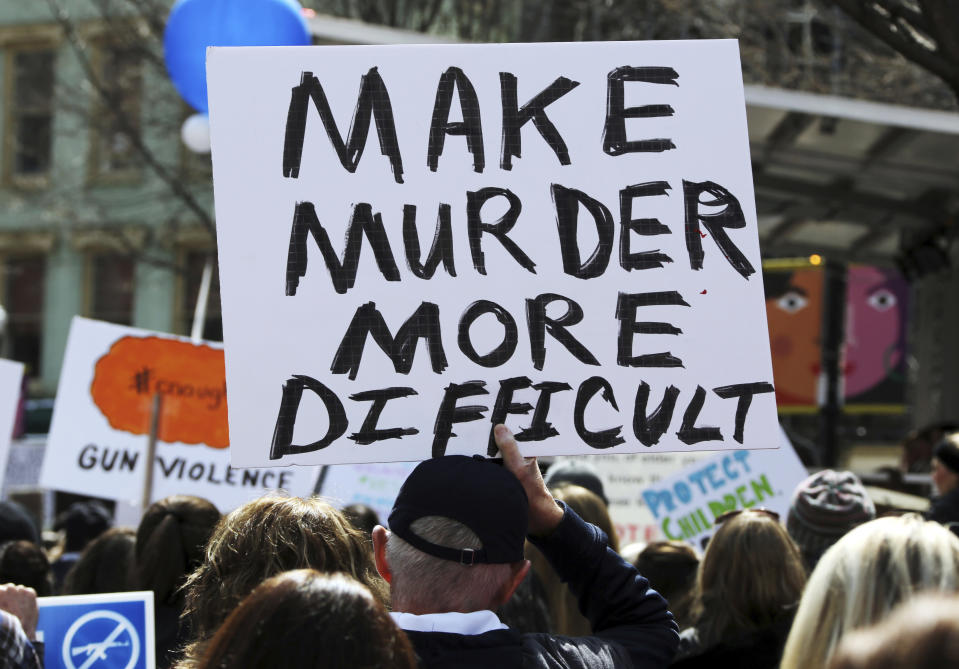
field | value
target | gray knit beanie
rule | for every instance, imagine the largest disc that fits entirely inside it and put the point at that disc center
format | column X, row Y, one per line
column 824, row 507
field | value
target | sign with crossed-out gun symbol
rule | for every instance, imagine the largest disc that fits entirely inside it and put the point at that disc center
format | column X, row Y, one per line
column 95, row 654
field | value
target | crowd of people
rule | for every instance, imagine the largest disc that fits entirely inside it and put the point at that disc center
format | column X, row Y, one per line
column 488, row 564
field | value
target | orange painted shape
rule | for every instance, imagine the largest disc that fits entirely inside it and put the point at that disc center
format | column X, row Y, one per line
column 190, row 378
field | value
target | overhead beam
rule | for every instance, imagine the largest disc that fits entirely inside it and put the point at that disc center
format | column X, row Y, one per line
column 845, row 197
column 945, row 175
column 888, row 144
column 789, row 128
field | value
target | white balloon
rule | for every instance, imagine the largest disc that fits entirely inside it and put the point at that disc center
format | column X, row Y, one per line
column 195, row 133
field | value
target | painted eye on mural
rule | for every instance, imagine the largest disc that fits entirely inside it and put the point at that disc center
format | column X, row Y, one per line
column 792, row 302
column 882, row 300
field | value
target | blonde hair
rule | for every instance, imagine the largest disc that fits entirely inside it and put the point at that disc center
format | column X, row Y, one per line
column 863, row 576
column 751, row 576
column 590, row 507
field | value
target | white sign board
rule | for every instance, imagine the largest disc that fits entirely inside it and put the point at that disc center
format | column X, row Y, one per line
column 101, row 421
column 561, row 237
column 686, row 505
column 11, row 382
column 624, row 477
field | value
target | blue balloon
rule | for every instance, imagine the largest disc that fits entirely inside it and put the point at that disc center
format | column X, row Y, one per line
column 196, row 24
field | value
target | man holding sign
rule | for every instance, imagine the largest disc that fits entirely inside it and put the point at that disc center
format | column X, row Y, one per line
column 456, row 552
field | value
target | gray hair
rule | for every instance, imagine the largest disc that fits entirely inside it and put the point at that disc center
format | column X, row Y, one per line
column 426, row 583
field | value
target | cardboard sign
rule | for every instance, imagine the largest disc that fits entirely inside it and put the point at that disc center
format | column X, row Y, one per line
column 101, row 421
column 561, row 237
column 686, row 505
column 375, row 485
column 112, row 631
column 11, row 380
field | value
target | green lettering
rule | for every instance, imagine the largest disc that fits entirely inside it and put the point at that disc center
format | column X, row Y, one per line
column 665, row 528
column 719, row 508
column 686, row 527
column 746, row 503
column 762, row 486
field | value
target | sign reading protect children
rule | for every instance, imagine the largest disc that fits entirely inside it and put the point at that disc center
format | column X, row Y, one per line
column 686, row 506
column 561, row 237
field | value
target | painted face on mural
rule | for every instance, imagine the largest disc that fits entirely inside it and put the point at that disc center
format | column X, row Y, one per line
column 873, row 323
column 794, row 315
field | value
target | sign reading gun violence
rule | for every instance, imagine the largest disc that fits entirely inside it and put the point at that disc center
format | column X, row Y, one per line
column 558, row 236
column 101, row 420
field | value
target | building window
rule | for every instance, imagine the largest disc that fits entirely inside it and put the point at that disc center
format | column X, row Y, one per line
column 193, row 275
column 30, row 120
column 23, row 300
column 118, row 123
column 111, row 288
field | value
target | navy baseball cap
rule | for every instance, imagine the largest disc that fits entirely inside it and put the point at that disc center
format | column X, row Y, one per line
column 477, row 492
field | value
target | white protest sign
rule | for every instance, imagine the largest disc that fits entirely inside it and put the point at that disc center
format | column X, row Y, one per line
column 558, row 236
column 685, row 506
column 375, row 485
column 101, row 421
column 11, row 381
column 106, row 630
column 624, row 477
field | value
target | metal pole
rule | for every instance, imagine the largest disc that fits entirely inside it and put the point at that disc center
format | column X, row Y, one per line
column 203, row 296
column 833, row 337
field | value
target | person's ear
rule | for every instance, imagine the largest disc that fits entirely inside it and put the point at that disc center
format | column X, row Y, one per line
column 379, row 553
column 518, row 571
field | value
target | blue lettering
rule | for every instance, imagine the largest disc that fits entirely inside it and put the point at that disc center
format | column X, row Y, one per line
column 742, row 456
column 697, row 478
column 654, row 498
column 730, row 471
column 713, row 480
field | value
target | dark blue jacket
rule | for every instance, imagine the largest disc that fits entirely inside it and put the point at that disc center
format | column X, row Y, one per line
column 631, row 624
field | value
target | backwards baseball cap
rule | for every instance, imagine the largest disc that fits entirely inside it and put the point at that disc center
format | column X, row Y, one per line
column 474, row 491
